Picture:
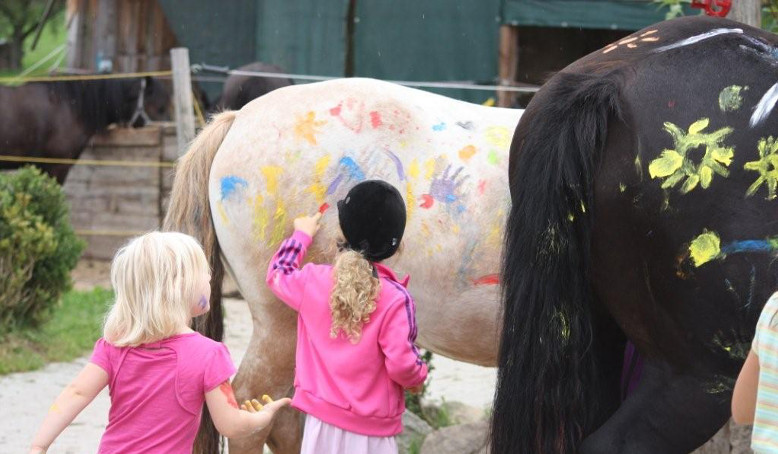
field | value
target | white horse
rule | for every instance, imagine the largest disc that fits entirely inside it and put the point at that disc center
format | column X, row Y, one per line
column 250, row 173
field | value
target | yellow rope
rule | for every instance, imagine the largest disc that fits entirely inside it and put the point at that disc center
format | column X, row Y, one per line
column 197, row 110
column 88, row 162
column 12, row 79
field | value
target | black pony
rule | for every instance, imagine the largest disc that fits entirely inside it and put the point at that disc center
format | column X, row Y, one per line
column 56, row 119
column 240, row 90
column 643, row 182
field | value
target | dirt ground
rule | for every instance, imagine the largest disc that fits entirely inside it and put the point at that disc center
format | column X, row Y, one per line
column 27, row 396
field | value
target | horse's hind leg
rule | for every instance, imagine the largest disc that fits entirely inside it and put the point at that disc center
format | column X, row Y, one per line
column 268, row 368
column 661, row 416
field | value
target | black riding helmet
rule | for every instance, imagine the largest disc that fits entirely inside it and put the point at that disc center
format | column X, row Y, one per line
column 372, row 218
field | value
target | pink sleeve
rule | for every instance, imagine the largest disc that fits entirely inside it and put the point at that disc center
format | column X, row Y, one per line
column 284, row 276
column 398, row 334
column 101, row 355
column 218, row 368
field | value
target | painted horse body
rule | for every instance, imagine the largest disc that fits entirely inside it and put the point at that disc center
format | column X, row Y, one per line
column 643, row 188
column 288, row 152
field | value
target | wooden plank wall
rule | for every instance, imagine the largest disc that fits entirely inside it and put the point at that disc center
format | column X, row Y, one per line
column 109, row 204
column 134, row 34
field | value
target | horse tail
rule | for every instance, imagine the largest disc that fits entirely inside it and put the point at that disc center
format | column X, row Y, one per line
column 189, row 212
column 544, row 399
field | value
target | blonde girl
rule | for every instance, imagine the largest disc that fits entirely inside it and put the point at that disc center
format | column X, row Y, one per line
column 158, row 370
column 356, row 326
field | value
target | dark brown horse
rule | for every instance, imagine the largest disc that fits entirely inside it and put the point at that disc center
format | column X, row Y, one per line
column 240, row 90
column 57, row 119
column 644, row 208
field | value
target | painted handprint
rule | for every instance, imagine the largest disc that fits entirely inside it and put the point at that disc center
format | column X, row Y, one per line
column 445, row 188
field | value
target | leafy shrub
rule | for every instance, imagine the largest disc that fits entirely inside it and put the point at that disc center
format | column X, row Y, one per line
column 38, row 247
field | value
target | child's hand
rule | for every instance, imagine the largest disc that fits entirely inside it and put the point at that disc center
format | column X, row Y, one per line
column 308, row 224
column 37, row 450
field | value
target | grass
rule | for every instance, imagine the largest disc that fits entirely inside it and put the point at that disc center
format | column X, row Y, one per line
column 75, row 325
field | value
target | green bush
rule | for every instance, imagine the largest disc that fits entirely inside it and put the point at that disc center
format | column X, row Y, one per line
column 38, row 247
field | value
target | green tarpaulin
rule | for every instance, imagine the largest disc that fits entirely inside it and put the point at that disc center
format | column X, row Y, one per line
column 603, row 14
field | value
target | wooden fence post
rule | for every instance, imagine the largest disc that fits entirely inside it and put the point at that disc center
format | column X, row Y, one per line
column 508, row 63
column 748, row 12
column 182, row 97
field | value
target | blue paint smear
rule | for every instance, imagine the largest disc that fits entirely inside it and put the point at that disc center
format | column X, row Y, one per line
column 230, row 184
column 747, row 246
column 439, row 127
column 352, row 169
column 398, row 164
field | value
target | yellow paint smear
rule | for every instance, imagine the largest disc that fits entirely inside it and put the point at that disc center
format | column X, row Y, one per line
column 271, row 174
column 705, row 248
column 498, row 136
column 261, row 219
column 413, row 169
column 410, row 201
column 222, row 213
column 429, row 168
column 467, row 152
column 317, row 188
column 279, row 223
column 307, row 127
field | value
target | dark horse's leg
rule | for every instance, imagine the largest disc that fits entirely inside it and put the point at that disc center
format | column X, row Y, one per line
column 661, row 416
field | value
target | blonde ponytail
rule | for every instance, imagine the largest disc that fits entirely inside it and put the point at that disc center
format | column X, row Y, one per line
column 354, row 295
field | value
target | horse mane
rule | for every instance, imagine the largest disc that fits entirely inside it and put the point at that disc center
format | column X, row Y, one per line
column 96, row 103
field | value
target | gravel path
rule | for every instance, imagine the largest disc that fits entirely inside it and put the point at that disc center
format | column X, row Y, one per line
column 26, row 397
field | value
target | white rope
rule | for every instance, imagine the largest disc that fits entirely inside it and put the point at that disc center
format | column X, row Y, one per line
column 40, row 62
column 408, row 83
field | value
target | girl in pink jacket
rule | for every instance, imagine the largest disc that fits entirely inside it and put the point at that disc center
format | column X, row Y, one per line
column 356, row 326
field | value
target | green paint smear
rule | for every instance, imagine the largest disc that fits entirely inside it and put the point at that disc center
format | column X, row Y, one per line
column 492, row 157
column 730, row 99
column 705, row 248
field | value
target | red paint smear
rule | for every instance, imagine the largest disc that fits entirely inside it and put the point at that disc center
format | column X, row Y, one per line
column 375, row 119
column 335, row 111
column 489, row 279
column 481, row 187
column 226, row 389
column 324, row 207
column 428, row 201
column 671, row 103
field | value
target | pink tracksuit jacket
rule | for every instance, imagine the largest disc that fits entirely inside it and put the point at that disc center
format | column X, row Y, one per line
column 357, row 387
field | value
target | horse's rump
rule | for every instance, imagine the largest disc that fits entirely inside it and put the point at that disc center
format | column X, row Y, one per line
column 655, row 213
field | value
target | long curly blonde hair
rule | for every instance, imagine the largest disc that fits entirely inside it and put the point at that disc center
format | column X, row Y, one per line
column 354, row 295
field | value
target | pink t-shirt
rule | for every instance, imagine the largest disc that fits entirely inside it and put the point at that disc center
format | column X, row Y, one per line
column 158, row 390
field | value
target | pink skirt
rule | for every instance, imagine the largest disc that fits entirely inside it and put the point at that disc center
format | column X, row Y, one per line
column 322, row 438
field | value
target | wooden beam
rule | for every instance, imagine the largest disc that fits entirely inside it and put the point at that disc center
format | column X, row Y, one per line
column 77, row 21
column 508, row 63
column 105, row 35
column 182, row 98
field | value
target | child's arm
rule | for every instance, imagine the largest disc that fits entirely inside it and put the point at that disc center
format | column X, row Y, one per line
column 74, row 398
column 403, row 362
column 232, row 422
column 284, row 276
column 744, row 395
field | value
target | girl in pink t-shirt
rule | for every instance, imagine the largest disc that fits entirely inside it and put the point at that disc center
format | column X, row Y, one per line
column 159, row 372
